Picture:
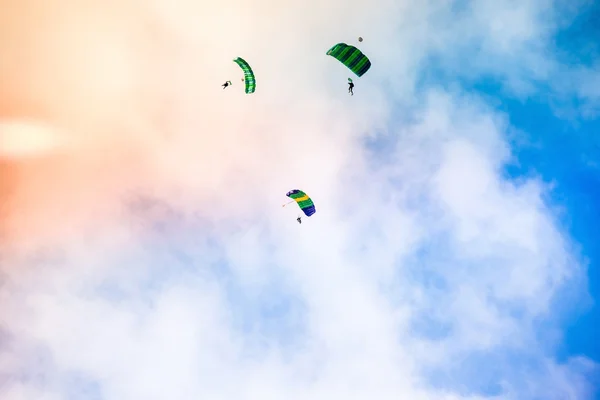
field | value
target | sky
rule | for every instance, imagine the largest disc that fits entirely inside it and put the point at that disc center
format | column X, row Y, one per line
column 145, row 252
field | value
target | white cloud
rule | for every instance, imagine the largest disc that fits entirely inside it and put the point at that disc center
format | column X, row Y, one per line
column 174, row 272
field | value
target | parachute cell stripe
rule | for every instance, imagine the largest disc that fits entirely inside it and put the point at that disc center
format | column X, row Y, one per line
column 248, row 75
column 303, row 201
column 351, row 57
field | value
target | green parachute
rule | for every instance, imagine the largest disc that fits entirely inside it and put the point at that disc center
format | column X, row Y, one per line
column 351, row 57
column 248, row 75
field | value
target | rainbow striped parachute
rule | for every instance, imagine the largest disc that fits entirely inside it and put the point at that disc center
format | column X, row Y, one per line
column 304, row 202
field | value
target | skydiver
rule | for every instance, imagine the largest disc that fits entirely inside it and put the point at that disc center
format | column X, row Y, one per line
column 227, row 83
column 299, row 219
column 350, row 87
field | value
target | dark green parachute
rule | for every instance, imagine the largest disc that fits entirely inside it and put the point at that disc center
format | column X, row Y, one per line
column 248, row 74
column 351, row 57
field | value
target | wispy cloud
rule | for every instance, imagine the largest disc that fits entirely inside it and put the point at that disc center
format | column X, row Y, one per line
column 152, row 259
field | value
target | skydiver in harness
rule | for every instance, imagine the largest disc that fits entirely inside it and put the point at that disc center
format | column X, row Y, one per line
column 350, row 87
column 226, row 84
column 299, row 219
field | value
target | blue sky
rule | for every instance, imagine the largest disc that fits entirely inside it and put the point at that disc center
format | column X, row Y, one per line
column 562, row 146
column 552, row 139
column 566, row 151
column 564, row 158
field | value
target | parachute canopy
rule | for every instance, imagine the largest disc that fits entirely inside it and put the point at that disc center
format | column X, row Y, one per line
column 351, row 57
column 303, row 201
column 248, row 75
